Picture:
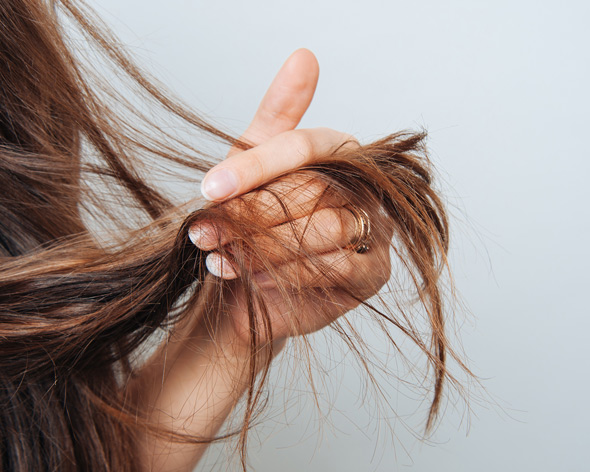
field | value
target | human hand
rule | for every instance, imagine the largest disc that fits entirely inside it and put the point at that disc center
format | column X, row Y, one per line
column 278, row 149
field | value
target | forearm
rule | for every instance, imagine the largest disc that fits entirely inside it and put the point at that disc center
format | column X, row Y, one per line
column 190, row 387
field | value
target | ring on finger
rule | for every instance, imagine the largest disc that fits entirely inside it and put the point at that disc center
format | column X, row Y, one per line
column 360, row 241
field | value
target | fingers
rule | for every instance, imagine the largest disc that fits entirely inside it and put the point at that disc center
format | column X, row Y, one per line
column 320, row 292
column 285, row 152
column 295, row 196
column 363, row 274
column 326, row 230
column 286, row 100
column 281, row 109
column 309, row 252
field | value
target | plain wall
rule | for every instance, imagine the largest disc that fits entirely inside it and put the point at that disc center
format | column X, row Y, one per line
column 503, row 89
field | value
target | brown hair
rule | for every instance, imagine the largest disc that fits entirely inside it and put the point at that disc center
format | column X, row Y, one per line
column 74, row 308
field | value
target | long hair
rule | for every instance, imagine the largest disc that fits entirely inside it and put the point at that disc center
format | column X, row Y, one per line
column 75, row 307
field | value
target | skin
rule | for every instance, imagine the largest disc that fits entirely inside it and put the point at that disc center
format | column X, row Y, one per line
column 193, row 383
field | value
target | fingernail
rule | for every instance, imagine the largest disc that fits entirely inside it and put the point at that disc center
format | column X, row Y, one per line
column 219, row 185
column 219, row 266
column 202, row 236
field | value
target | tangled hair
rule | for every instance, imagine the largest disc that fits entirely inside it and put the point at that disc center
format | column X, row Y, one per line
column 75, row 307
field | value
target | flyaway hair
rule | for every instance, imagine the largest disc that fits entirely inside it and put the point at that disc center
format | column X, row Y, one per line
column 75, row 308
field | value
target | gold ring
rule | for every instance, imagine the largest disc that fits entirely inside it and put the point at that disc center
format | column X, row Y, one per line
column 360, row 242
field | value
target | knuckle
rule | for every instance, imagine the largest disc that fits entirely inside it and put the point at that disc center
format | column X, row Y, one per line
column 382, row 272
column 317, row 186
column 373, row 273
column 302, row 144
column 329, row 227
column 269, row 116
column 323, row 130
column 347, row 137
column 308, row 189
column 349, row 141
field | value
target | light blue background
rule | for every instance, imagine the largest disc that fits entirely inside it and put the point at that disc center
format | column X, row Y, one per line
column 502, row 88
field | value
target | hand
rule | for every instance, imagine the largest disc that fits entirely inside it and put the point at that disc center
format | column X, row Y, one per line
column 279, row 148
column 194, row 381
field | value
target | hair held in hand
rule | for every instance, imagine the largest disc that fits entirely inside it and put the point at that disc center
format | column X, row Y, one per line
column 74, row 308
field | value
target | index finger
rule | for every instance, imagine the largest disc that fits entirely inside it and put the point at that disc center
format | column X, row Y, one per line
column 288, row 151
column 286, row 100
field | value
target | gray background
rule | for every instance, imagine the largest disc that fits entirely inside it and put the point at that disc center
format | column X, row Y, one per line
column 502, row 88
